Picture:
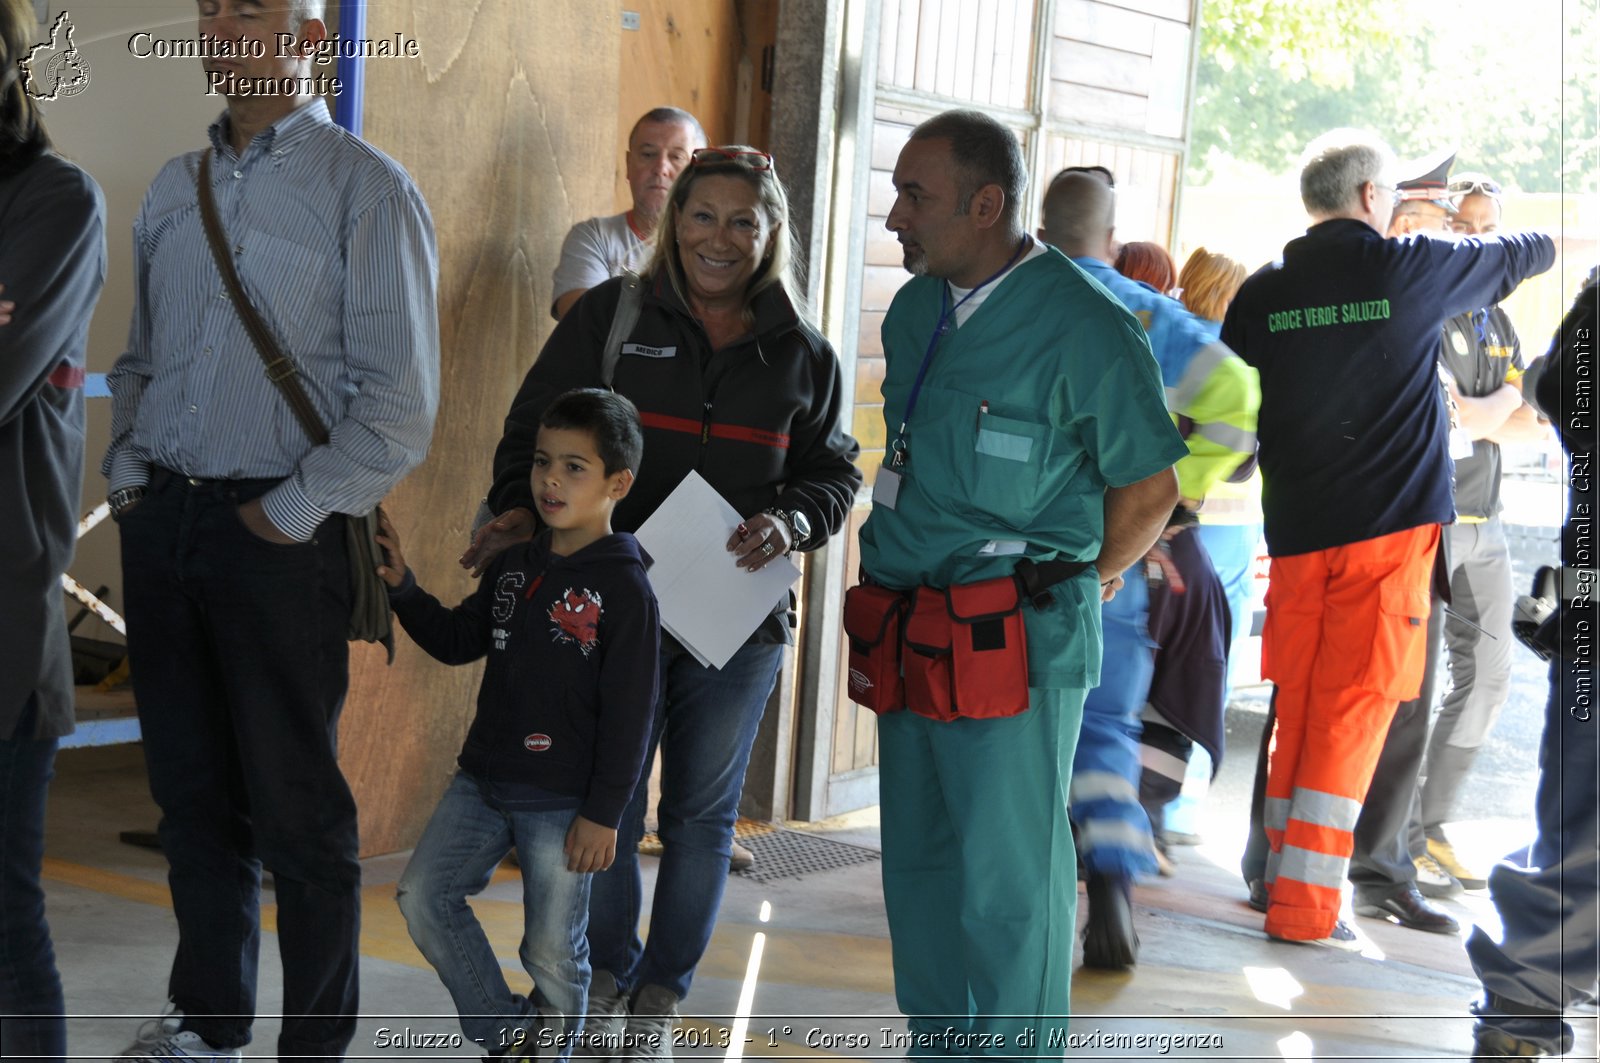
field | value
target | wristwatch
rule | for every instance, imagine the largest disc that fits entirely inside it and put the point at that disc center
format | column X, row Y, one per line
column 799, row 526
column 123, row 497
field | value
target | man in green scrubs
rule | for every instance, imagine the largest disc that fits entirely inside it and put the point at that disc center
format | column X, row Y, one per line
column 1025, row 417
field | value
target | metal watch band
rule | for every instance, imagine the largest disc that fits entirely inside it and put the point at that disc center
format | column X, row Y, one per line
column 122, row 498
column 788, row 522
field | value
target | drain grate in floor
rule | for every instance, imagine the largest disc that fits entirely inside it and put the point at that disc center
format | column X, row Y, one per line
column 791, row 854
column 783, row 855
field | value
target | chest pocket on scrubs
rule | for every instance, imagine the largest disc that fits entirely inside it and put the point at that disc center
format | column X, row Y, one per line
column 1002, row 460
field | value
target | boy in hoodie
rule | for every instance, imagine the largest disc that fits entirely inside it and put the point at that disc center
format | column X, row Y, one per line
column 571, row 631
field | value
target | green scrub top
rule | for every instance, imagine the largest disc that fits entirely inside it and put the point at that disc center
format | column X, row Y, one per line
column 1029, row 411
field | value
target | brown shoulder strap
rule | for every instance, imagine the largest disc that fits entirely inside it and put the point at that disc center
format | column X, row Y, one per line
column 281, row 370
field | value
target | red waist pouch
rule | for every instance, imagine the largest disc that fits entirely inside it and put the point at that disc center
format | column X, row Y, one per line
column 873, row 619
column 989, row 648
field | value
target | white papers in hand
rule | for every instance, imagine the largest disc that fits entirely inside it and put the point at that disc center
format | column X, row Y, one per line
column 707, row 602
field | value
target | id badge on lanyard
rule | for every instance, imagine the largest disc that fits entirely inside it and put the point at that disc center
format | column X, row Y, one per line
column 896, row 464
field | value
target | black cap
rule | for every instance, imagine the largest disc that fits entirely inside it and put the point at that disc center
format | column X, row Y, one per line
column 1432, row 181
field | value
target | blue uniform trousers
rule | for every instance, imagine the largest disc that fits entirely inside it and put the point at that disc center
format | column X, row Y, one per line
column 1113, row 829
column 1546, row 957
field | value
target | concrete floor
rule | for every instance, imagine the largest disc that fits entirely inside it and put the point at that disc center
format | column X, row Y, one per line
column 824, row 966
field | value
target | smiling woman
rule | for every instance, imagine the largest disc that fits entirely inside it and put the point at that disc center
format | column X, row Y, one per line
column 725, row 240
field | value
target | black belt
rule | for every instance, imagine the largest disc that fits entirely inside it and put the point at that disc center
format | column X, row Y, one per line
column 1034, row 578
column 160, row 477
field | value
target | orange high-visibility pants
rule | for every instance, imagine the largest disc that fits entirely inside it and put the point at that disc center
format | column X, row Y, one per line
column 1345, row 642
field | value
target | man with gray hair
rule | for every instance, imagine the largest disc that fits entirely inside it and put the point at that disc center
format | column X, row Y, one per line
column 235, row 568
column 659, row 146
column 1344, row 330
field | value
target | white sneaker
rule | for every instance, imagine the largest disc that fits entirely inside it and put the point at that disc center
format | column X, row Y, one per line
column 1434, row 881
column 152, row 1031
column 608, row 1015
column 650, row 1023
column 177, row 1047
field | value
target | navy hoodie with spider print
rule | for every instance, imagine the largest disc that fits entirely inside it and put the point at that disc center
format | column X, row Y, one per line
column 569, row 689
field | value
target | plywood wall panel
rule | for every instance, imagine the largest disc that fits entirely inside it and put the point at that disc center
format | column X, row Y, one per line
column 507, row 124
column 689, row 54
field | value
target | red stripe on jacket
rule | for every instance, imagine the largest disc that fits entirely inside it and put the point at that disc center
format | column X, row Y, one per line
column 692, row 427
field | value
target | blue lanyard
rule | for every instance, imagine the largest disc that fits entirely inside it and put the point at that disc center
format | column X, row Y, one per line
column 946, row 318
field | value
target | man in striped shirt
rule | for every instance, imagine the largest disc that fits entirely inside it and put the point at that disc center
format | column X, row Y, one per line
column 235, row 572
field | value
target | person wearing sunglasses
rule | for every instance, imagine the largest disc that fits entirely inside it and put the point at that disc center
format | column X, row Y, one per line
column 1344, row 330
column 734, row 381
column 1483, row 356
column 659, row 146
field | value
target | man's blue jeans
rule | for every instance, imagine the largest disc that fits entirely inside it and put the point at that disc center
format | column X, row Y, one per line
column 705, row 724
column 463, row 843
column 1546, row 894
column 29, row 984
column 240, row 666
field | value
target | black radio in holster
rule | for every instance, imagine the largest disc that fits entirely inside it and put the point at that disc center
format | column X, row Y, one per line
column 1537, row 617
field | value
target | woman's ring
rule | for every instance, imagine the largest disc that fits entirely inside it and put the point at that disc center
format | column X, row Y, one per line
column 767, row 549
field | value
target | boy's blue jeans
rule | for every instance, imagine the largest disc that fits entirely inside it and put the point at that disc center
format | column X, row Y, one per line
column 462, row 845
column 706, row 721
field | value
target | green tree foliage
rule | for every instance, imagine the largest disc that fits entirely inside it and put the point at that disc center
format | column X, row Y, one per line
column 1275, row 74
column 1298, row 40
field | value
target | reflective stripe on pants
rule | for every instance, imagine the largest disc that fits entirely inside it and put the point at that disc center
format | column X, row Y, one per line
column 1345, row 640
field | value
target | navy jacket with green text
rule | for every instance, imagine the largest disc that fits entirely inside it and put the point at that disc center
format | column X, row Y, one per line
column 1344, row 330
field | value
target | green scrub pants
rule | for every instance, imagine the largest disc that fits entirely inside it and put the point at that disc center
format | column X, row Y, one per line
column 980, row 878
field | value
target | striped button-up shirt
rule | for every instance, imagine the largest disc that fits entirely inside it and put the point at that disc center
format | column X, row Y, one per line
column 335, row 247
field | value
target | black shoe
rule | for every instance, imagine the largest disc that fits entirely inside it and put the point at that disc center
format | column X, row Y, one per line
column 1109, row 941
column 1258, row 895
column 1411, row 910
column 1493, row 1040
column 1490, row 1044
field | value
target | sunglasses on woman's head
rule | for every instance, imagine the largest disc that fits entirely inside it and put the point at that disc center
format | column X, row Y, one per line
column 755, row 160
